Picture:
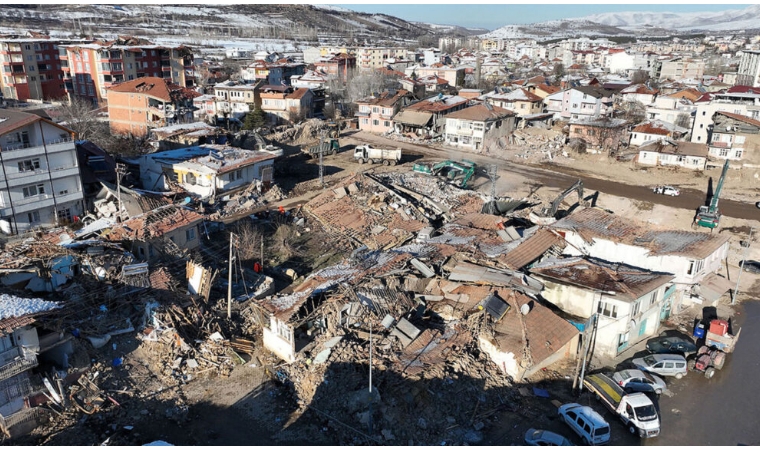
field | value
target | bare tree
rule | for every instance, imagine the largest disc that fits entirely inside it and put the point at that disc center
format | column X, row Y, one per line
column 559, row 72
column 79, row 115
column 683, row 120
column 634, row 111
column 639, row 77
column 368, row 83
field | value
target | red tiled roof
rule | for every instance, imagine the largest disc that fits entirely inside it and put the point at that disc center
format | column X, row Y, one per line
column 153, row 86
column 652, row 128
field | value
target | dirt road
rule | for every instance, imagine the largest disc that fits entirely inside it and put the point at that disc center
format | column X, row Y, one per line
column 563, row 177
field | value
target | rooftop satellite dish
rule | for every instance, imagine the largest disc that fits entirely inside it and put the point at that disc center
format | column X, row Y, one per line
column 525, row 309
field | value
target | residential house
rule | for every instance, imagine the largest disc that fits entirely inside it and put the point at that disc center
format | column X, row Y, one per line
column 672, row 109
column 469, row 128
column 734, row 136
column 638, row 93
column 433, row 83
column 654, row 130
column 604, row 133
column 311, row 79
column 742, row 100
column 627, row 301
column 95, row 166
column 454, row 75
column 145, row 235
column 41, row 185
column 20, row 345
column 521, row 101
column 337, row 66
column 427, row 117
column 183, row 135
column 666, row 152
column 283, row 104
column 235, row 99
column 580, row 102
column 206, row 170
column 470, row 94
column 510, row 344
column 204, row 108
column 376, row 112
column 134, row 107
column 543, row 90
column 691, row 256
column 90, row 69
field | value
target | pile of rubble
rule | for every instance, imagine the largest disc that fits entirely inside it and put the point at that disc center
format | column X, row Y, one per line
column 302, row 133
column 250, row 199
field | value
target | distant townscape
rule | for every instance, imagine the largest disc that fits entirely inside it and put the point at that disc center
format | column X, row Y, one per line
column 302, row 225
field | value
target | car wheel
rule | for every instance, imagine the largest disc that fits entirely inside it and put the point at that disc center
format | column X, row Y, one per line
column 586, row 442
column 658, row 391
column 679, row 376
column 632, row 429
column 709, row 373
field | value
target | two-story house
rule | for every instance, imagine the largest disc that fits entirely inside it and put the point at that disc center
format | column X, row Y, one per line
column 469, row 128
column 235, row 99
column 627, row 300
column 653, row 130
column 336, row 66
column 580, row 102
column 40, row 183
column 376, row 112
column 427, row 117
column 689, row 255
column 638, row 93
column 604, row 132
column 734, row 136
column 136, row 106
column 521, row 101
column 667, row 152
column 283, row 104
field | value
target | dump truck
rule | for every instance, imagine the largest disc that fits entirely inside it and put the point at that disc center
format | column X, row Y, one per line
column 458, row 172
column 327, row 147
column 368, row 154
column 635, row 410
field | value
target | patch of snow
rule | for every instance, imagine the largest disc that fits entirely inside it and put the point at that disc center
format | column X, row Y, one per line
column 332, row 8
column 13, row 306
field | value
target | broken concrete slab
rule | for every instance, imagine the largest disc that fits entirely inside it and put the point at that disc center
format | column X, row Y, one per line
column 407, row 328
column 423, row 268
column 340, row 192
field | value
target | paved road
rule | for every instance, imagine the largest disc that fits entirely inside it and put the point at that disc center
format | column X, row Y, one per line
column 563, row 177
column 725, row 409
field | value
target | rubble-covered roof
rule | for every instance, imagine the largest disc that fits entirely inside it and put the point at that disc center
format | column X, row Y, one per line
column 669, row 147
column 593, row 223
column 518, row 95
column 437, row 104
column 161, row 88
column 16, row 312
column 639, row 89
column 614, row 279
column 604, row 122
column 153, row 224
column 658, row 127
column 222, row 159
column 385, row 98
column 181, row 128
column 740, row 118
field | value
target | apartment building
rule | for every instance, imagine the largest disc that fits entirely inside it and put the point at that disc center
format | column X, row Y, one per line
column 679, row 68
column 376, row 112
column 375, row 57
column 283, row 104
column 136, row 106
column 234, row 99
column 40, row 183
column 749, row 69
column 741, row 100
column 90, row 69
column 31, row 69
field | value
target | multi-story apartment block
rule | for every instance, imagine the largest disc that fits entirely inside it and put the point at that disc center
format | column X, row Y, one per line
column 31, row 69
column 375, row 57
column 749, row 69
column 581, row 102
column 734, row 136
column 40, row 183
column 336, row 66
column 376, row 112
column 136, row 106
column 679, row 68
column 283, row 104
column 90, row 69
column 742, row 100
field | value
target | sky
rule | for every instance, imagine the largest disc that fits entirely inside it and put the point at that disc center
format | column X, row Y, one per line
column 492, row 16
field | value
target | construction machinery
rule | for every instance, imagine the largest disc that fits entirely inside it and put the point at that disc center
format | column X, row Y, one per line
column 546, row 216
column 458, row 173
column 329, row 144
column 709, row 216
column 372, row 155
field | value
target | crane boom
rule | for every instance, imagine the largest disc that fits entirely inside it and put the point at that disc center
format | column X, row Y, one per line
column 718, row 188
column 709, row 216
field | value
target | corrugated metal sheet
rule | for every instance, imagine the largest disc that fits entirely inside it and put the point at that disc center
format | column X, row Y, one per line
column 531, row 249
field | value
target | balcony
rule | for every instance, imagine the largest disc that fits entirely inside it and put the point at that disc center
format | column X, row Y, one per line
column 70, row 197
column 63, row 172
column 29, row 177
column 24, row 150
column 13, row 363
column 35, row 201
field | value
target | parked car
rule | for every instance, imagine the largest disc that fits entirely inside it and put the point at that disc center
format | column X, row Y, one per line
column 751, row 266
column 757, row 205
column 662, row 364
column 543, row 437
column 667, row 190
column 671, row 344
column 634, row 380
column 586, row 423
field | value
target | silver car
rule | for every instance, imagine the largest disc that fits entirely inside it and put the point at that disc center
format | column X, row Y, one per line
column 634, row 380
column 662, row 364
column 543, row 437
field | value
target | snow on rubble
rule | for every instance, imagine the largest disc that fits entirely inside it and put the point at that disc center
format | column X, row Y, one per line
column 13, row 306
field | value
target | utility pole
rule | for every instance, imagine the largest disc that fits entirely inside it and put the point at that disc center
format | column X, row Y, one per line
column 493, row 171
column 321, row 160
column 262, row 252
column 229, row 279
column 121, row 170
column 741, row 266
column 370, row 377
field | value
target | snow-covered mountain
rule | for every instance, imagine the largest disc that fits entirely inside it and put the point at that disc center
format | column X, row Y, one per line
column 732, row 19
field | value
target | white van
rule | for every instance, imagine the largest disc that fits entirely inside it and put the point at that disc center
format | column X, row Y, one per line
column 587, row 423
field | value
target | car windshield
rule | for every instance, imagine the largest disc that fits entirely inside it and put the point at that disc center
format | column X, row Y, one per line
column 646, row 412
column 601, row 431
column 649, row 360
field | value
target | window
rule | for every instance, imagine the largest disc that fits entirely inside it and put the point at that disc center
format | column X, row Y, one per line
column 34, row 217
column 31, row 191
column 636, row 309
column 723, row 152
column 375, row 122
column 738, row 153
column 64, row 215
column 695, row 267
column 29, row 165
column 190, row 234
column 387, row 123
column 652, row 298
column 607, row 309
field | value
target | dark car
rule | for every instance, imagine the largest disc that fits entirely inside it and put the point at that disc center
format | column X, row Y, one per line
column 670, row 344
column 750, row 266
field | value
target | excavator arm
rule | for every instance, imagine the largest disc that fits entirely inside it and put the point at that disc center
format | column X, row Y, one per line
column 553, row 207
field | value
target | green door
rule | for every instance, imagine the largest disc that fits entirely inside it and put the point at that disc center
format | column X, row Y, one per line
column 643, row 327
